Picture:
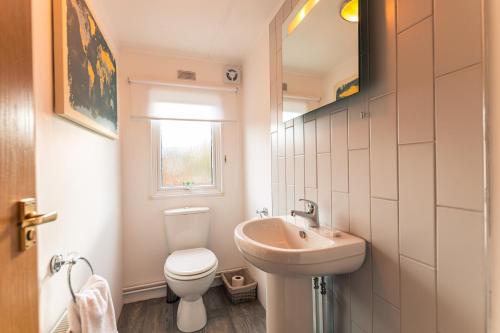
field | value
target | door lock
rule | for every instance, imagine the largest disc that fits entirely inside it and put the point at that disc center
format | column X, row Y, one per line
column 29, row 219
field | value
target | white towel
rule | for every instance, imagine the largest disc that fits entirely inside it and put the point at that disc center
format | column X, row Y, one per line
column 93, row 311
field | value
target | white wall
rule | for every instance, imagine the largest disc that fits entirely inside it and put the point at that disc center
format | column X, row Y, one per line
column 144, row 241
column 78, row 175
column 493, row 107
column 256, row 143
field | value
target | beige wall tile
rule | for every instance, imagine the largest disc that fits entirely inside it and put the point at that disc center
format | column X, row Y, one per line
column 324, row 190
column 340, row 155
column 310, row 153
column 340, row 211
column 299, row 135
column 312, row 194
column 359, row 193
column 417, row 202
column 412, row 11
column 282, row 185
column 416, row 83
column 418, row 297
column 385, row 252
column 383, row 147
column 359, row 128
column 341, row 306
column 361, row 295
column 275, row 199
column 323, row 133
column 386, row 317
column 299, row 181
column 279, row 75
column 382, row 18
column 274, row 157
column 457, row 34
column 460, row 271
column 290, row 157
column 290, row 198
column 459, row 148
column 281, row 139
column 356, row 329
column 274, row 118
column 280, row 114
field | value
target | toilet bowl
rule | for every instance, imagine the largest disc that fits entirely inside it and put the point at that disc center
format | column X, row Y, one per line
column 189, row 274
column 190, row 267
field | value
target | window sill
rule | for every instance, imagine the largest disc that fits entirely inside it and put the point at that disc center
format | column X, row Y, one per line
column 185, row 193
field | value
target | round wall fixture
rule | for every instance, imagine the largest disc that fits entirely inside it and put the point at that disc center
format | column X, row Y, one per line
column 232, row 74
column 349, row 10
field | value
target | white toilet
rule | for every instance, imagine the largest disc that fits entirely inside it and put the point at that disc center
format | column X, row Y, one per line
column 190, row 267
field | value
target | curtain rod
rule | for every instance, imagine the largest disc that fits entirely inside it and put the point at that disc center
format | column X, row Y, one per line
column 184, row 85
column 183, row 119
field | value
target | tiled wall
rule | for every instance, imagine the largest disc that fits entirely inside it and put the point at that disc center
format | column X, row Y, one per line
column 408, row 178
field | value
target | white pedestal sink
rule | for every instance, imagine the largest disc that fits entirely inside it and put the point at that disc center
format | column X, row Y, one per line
column 292, row 254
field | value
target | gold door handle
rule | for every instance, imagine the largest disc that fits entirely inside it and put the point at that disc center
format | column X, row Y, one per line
column 33, row 219
column 29, row 219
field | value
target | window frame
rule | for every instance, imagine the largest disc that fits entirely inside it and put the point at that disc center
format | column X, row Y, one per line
column 159, row 191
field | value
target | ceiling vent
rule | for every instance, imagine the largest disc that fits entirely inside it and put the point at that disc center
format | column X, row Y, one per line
column 186, row 75
column 232, row 74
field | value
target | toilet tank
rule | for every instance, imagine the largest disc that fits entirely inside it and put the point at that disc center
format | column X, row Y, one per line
column 186, row 228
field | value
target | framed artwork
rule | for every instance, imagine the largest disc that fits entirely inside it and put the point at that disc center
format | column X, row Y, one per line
column 84, row 69
column 346, row 88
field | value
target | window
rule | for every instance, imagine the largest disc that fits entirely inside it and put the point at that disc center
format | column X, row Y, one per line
column 186, row 157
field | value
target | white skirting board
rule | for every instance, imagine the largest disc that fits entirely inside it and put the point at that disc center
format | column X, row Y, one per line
column 152, row 290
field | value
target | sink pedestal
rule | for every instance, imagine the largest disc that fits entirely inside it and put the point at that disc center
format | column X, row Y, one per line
column 289, row 307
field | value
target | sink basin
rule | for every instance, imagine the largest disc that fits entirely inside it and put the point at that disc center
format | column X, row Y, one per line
column 276, row 245
column 291, row 254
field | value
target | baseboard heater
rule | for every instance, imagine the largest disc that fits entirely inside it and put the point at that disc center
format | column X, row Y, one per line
column 139, row 288
column 62, row 325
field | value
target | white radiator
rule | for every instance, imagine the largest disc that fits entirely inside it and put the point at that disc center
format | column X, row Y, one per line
column 62, row 325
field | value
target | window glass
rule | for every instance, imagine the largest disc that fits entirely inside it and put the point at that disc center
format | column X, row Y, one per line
column 186, row 154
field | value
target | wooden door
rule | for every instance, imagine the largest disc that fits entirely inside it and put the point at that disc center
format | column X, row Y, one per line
column 18, row 271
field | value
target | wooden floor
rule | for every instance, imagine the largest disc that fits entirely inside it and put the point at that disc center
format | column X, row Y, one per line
column 155, row 315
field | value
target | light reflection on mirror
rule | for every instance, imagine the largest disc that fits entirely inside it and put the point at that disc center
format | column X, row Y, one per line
column 320, row 56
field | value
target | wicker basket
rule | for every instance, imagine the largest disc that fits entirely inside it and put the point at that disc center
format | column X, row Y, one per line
column 245, row 293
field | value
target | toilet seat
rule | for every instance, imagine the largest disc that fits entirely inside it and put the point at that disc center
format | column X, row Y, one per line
column 190, row 264
column 190, row 277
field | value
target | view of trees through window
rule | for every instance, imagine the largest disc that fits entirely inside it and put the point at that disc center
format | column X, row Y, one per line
column 186, row 153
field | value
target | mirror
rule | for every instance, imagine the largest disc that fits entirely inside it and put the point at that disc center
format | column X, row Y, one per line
column 320, row 55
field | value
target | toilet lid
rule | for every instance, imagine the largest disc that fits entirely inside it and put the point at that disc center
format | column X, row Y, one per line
column 190, row 262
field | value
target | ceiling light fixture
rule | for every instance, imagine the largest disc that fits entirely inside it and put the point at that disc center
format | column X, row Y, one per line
column 349, row 10
column 301, row 14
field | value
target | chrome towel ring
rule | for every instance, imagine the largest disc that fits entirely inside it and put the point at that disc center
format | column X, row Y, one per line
column 58, row 261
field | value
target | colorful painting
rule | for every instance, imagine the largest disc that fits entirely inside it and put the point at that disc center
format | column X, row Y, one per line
column 86, row 81
column 347, row 89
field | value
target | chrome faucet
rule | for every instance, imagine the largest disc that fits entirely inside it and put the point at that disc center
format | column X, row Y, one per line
column 311, row 213
column 264, row 212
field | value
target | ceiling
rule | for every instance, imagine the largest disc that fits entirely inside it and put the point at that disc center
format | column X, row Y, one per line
column 216, row 29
